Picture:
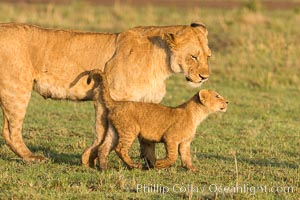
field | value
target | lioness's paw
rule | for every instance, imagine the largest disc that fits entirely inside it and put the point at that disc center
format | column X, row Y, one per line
column 34, row 158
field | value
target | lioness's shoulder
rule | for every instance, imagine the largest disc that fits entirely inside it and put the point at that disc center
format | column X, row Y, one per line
column 156, row 30
column 146, row 34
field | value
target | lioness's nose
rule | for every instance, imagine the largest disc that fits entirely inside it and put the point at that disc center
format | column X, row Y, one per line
column 203, row 77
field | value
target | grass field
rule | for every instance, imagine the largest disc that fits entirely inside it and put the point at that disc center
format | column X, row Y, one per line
column 255, row 145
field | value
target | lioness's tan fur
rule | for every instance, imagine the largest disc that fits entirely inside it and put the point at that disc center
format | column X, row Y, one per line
column 55, row 63
column 175, row 127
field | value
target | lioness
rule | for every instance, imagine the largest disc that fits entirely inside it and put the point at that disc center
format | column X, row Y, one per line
column 175, row 127
column 55, row 63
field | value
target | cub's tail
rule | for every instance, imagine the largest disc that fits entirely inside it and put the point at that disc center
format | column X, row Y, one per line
column 100, row 78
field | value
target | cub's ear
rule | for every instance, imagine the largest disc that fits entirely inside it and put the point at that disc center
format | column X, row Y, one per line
column 203, row 95
column 200, row 26
column 170, row 39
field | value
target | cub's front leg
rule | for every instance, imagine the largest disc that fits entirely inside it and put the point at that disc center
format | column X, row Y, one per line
column 185, row 155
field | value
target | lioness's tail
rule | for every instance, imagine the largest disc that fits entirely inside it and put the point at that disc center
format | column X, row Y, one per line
column 100, row 78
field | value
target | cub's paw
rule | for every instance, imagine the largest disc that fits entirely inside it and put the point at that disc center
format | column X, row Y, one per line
column 192, row 169
column 103, row 166
column 135, row 165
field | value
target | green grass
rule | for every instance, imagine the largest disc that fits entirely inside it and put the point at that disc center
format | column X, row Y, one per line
column 255, row 65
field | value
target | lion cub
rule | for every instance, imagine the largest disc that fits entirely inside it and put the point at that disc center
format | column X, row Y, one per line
column 175, row 127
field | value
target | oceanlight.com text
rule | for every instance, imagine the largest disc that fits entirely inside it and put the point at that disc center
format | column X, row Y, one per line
column 213, row 188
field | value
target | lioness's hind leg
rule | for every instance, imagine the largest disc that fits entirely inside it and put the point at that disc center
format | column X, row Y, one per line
column 148, row 153
column 14, row 107
column 5, row 131
column 16, row 83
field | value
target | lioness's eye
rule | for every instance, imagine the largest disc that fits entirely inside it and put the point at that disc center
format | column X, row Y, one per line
column 194, row 57
column 218, row 96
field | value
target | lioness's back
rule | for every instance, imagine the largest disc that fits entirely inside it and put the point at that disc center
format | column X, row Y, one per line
column 52, row 59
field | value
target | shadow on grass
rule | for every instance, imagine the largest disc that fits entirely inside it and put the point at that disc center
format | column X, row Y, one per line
column 57, row 157
column 260, row 162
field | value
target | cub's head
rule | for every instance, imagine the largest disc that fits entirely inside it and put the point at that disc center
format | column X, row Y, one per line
column 190, row 52
column 213, row 101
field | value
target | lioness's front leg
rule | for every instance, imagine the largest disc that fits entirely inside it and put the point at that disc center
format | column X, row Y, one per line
column 147, row 152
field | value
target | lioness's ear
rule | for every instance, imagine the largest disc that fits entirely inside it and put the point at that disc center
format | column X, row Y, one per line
column 89, row 79
column 203, row 95
column 169, row 38
column 201, row 27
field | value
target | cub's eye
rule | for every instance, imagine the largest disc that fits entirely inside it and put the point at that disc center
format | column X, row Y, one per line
column 218, row 96
column 194, row 57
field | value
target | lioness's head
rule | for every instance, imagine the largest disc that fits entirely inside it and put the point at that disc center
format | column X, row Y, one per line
column 190, row 52
column 213, row 101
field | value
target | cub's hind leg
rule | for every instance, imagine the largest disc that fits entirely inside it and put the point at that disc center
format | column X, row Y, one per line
column 172, row 154
column 107, row 145
column 125, row 141
column 90, row 154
